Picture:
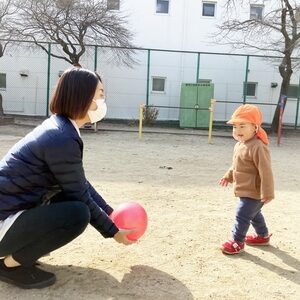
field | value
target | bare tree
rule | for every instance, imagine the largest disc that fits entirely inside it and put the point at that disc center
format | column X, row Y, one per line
column 277, row 32
column 72, row 24
column 6, row 10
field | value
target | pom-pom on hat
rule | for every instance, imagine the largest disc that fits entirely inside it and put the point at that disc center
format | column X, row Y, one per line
column 249, row 113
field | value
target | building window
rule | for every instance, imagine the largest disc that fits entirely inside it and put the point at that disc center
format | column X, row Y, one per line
column 158, row 84
column 113, row 4
column 2, row 81
column 251, row 89
column 162, row 6
column 208, row 9
column 292, row 91
column 256, row 12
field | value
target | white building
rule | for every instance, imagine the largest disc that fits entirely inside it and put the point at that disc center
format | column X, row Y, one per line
column 185, row 26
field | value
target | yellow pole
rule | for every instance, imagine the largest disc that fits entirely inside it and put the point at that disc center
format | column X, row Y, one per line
column 141, row 121
column 211, row 113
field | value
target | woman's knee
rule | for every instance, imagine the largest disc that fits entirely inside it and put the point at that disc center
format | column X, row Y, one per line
column 78, row 213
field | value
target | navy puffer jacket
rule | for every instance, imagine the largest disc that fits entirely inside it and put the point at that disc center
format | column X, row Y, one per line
column 46, row 161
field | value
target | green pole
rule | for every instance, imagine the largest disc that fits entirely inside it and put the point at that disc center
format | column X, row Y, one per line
column 198, row 67
column 48, row 79
column 297, row 109
column 148, row 77
column 246, row 80
column 96, row 58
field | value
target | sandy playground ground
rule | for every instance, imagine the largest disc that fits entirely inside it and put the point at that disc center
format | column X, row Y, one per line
column 175, row 178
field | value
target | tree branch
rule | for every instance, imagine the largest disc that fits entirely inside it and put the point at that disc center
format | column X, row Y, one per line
column 72, row 24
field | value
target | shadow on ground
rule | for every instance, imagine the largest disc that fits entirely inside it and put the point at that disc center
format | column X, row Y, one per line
column 291, row 273
column 74, row 282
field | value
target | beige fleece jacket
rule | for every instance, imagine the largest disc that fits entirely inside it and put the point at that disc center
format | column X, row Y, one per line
column 251, row 171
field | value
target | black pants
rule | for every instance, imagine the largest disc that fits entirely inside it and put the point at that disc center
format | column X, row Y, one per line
column 43, row 229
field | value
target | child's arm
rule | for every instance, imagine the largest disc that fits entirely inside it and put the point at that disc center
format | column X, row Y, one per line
column 223, row 182
column 262, row 161
column 227, row 178
column 266, row 200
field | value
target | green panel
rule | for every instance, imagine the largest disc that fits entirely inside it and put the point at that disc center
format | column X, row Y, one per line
column 188, row 98
column 205, row 94
column 195, row 95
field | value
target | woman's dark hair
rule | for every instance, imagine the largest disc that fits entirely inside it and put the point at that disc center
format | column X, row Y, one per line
column 74, row 93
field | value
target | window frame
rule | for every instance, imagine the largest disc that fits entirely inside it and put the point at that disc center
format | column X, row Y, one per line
column 210, row 3
column 294, row 86
column 152, row 84
column 162, row 13
column 255, row 91
column 116, row 9
column 262, row 11
column 3, row 88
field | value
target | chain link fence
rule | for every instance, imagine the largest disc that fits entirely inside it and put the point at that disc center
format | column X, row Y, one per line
column 28, row 76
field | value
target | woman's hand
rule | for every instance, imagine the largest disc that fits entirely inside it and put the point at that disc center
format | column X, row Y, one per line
column 121, row 236
column 223, row 182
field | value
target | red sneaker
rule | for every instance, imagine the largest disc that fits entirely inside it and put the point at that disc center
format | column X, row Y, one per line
column 232, row 247
column 257, row 240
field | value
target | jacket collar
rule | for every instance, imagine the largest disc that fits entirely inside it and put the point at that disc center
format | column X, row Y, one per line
column 65, row 124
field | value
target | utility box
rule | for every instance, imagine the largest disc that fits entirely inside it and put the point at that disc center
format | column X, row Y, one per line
column 195, row 101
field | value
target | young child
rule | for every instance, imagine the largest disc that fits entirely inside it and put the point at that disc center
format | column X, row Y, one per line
column 252, row 178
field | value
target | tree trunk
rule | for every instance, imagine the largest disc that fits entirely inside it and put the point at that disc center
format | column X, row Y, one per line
column 283, row 92
column 286, row 71
column 77, row 64
column 1, row 50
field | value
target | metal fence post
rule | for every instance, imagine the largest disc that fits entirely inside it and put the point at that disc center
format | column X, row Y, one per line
column 148, row 77
column 96, row 58
column 297, row 108
column 48, row 79
column 95, row 69
column 198, row 67
column 246, row 80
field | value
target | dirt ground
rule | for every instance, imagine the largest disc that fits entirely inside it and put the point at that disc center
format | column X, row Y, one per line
column 175, row 177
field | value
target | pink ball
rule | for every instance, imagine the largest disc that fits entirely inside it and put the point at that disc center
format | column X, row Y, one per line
column 131, row 215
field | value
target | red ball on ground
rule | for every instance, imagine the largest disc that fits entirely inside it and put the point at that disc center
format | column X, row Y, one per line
column 131, row 215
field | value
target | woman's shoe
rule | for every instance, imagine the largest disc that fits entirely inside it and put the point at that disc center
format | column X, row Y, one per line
column 26, row 277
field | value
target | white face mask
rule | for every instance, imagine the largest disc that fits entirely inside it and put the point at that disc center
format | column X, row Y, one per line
column 99, row 113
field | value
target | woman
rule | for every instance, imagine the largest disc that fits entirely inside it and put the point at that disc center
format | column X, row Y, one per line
column 45, row 198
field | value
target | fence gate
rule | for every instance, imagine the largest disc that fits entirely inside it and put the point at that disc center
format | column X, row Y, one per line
column 194, row 102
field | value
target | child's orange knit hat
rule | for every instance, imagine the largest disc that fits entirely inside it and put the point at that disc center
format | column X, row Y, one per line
column 249, row 113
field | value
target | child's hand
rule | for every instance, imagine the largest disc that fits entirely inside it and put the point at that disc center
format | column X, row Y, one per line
column 121, row 236
column 266, row 200
column 223, row 182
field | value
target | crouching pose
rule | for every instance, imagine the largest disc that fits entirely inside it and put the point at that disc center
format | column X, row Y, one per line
column 45, row 198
